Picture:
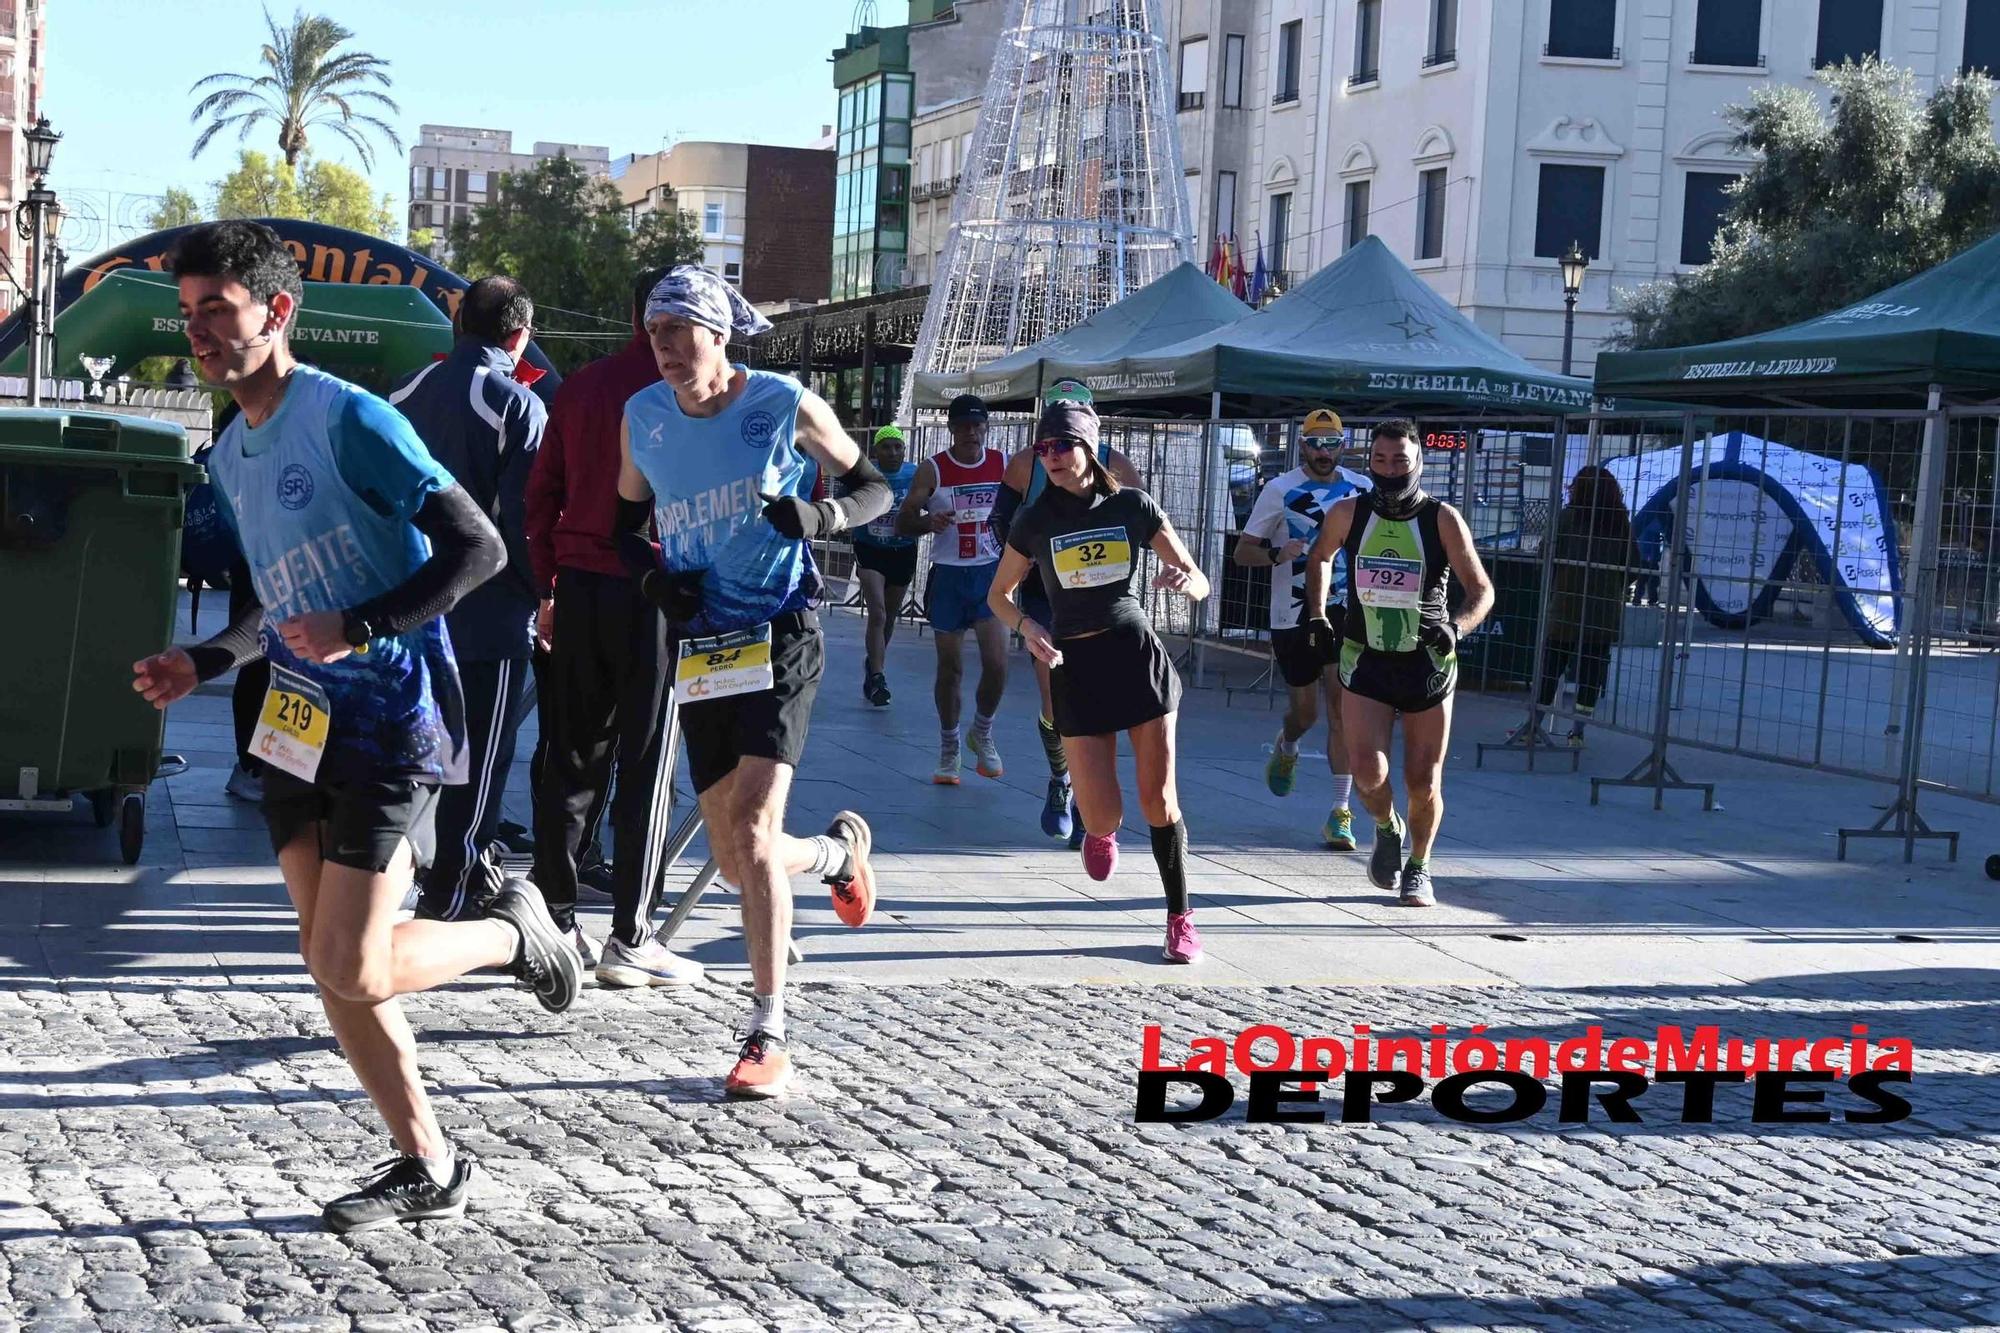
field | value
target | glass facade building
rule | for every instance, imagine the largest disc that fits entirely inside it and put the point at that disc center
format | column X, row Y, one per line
column 871, row 214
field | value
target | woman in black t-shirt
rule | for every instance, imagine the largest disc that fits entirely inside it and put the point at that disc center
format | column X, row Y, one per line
column 1110, row 673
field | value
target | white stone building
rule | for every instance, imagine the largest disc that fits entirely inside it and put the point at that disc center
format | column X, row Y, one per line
column 1477, row 138
column 455, row 168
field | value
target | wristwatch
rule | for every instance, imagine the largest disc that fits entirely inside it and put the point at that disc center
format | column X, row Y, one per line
column 355, row 630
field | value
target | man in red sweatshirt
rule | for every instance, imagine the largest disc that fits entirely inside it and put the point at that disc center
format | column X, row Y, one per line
column 607, row 685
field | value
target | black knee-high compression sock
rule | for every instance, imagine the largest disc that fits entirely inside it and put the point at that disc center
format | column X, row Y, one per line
column 1052, row 747
column 1170, row 852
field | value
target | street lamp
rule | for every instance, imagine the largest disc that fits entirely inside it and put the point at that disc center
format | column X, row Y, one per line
column 1574, row 263
column 32, row 224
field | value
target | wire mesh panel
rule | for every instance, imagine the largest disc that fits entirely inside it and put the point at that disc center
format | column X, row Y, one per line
column 1072, row 197
column 1961, row 700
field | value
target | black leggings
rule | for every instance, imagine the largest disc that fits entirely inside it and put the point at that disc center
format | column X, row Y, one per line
column 1593, row 668
column 246, row 699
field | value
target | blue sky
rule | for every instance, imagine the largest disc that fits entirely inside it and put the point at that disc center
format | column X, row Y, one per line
column 617, row 72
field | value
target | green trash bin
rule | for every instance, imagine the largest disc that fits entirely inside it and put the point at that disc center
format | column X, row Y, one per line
column 90, row 535
column 1500, row 654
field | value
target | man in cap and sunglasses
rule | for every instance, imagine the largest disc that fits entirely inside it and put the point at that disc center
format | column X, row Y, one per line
column 1277, row 536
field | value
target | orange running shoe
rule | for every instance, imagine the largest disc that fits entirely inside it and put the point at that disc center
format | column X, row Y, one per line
column 853, row 897
column 762, row 1068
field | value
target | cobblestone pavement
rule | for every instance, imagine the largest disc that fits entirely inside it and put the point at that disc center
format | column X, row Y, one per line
column 964, row 1156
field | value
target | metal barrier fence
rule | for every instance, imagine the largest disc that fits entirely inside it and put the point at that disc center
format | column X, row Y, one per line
column 1825, row 598
column 1813, row 588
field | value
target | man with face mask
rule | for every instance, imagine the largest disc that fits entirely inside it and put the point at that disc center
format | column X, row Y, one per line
column 1397, row 648
column 1276, row 536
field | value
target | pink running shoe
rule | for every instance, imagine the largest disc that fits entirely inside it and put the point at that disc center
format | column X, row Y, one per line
column 1183, row 940
column 1100, row 855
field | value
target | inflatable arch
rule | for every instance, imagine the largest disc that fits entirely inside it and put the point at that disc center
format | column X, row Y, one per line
column 374, row 309
column 1766, row 506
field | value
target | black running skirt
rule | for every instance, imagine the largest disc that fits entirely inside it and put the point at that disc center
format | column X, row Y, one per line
column 1112, row 682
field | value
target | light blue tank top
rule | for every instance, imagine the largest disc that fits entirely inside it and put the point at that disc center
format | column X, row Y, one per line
column 882, row 531
column 320, row 497
column 706, row 474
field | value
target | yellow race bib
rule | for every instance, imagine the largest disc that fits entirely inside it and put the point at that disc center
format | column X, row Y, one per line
column 1092, row 559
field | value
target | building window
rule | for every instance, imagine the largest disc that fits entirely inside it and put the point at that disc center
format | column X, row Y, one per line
column 1430, row 214
column 1570, row 207
column 1367, row 42
column 1281, row 233
column 1443, row 46
column 1728, row 32
column 1982, row 37
column 1225, row 202
column 1357, row 215
column 1289, row 37
column 732, row 273
column 1232, row 70
column 475, row 186
column 711, row 219
column 1194, row 74
column 1583, row 29
column 1850, row 30
column 1702, row 211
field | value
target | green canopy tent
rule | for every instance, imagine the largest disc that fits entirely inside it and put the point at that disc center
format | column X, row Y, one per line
column 1363, row 331
column 1939, row 328
column 371, row 331
column 1182, row 303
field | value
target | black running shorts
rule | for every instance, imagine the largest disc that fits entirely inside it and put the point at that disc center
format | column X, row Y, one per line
column 1297, row 662
column 1407, row 682
column 896, row 564
column 359, row 824
column 770, row 724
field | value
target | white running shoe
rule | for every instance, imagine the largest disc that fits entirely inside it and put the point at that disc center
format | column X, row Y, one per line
column 947, row 769
column 586, row 955
column 245, row 786
column 650, row 964
column 986, row 753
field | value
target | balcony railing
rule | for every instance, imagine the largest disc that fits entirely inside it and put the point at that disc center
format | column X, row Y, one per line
column 1361, row 77
column 1601, row 53
column 1285, row 97
column 1193, row 101
column 1731, row 59
column 1437, row 58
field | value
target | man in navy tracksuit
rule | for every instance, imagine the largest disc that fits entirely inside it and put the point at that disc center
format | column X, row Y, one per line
column 485, row 427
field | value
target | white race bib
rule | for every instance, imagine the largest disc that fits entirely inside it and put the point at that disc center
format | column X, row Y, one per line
column 292, row 730
column 1092, row 559
column 1388, row 584
column 724, row 665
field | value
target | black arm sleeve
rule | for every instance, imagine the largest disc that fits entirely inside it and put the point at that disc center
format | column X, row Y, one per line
column 632, row 517
column 240, row 640
column 466, row 550
column 866, row 494
column 1004, row 508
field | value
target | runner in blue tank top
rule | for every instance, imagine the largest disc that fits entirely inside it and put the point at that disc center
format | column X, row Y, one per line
column 885, row 562
column 356, row 542
column 1023, row 484
column 721, row 459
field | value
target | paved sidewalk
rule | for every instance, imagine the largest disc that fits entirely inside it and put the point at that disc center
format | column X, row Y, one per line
column 963, row 1153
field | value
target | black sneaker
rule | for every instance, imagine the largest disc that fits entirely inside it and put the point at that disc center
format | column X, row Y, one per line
column 876, row 689
column 517, row 840
column 595, row 880
column 546, row 959
column 1387, row 857
column 401, row 1190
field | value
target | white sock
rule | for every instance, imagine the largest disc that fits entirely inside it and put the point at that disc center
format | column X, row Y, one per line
column 1286, row 745
column 829, row 857
column 767, row 1015
column 1343, row 787
column 948, row 737
column 441, row 1165
column 982, row 725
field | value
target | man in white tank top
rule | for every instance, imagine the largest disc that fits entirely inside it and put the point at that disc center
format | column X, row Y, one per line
column 951, row 500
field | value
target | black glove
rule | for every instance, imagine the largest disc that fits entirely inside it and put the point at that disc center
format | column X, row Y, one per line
column 677, row 595
column 801, row 520
column 637, row 554
column 1320, row 637
column 1441, row 639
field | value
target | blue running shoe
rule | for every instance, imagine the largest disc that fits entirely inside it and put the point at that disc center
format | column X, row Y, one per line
column 1055, row 811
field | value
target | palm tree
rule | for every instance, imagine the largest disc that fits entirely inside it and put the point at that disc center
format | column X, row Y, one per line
column 305, row 83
